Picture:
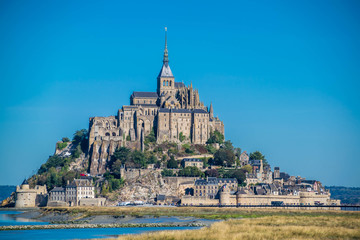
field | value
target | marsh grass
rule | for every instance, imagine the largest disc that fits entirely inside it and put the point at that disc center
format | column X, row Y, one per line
column 254, row 223
column 198, row 212
column 270, row 227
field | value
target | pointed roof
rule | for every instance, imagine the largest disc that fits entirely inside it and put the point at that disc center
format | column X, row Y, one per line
column 165, row 70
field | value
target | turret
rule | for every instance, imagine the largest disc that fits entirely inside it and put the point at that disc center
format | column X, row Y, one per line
column 211, row 111
column 225, row 195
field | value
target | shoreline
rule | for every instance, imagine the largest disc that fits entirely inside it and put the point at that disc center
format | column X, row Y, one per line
column 88, row 225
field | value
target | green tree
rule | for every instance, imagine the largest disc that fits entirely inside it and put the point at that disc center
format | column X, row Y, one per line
column 228, row 145
column 247, row 168
column 65, row 139
column 167, row 173
column 239, row 174
column 190, row 172
column 215, row 137
column 115, row 168
column 138, row 159
column 257, row 155
column 152, row 159
column 182, row 137
column 212, row 173
column 81, row 137
column 224, row 157
column 172, row 163
column 122, row 154
column 210, row 149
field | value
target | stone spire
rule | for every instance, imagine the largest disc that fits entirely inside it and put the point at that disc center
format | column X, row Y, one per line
column 211, row 111
column 166, row 55
column 165, row 70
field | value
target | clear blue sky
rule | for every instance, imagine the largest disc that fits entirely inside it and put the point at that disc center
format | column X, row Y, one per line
column 284, row 76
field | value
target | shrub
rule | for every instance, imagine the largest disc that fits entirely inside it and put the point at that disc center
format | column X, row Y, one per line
column 65, row 139
column 190, row 172
column 61, row 145
column 172, row 163
column 167, row 173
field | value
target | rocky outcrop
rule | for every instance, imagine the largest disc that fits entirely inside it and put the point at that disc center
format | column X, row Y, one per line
column 146, row 187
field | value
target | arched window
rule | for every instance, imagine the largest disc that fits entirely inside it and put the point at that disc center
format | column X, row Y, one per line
column 170, row 83
column 107, row 134
column 167, row 83
column 164, row 83
column 114, row 134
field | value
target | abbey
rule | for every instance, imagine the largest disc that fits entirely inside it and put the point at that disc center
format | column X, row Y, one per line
column 174, row 112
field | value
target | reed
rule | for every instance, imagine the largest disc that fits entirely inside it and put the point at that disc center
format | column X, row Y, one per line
column 270, row 227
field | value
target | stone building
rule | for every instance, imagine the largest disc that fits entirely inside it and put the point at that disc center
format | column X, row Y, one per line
column 30, row 197
column 80, row 192
column 210, row 186
column 192, row 162
column 174, row 112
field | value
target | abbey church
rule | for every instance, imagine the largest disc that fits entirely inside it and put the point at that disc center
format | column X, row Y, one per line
column 174, row 112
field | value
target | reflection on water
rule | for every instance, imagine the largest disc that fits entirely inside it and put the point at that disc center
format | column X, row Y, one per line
column 9, row 218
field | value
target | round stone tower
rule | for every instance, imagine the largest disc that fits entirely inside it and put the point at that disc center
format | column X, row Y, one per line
column 225, row 195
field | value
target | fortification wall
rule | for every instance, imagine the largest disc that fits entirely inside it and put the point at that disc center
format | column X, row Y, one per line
column 92, row 202
column 245, row 199
column 190, row 200
column 309, row 198
column 132, row 173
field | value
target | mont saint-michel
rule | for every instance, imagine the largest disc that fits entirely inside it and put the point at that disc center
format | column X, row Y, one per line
column 174, row 113
column 164, row 148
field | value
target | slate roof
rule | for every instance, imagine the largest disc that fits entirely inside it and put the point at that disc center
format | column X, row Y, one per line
column 144, row 95
column 181, row 110
column 206, row 182
column 179, row 85
column 192, row 160
column 199, row 111
column 58, row 189
column 160, row 198
column 165, row 71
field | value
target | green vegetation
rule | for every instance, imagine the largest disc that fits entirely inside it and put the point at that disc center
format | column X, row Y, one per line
column 151, row 138
column 167, row 173
column 212, row 173
column 172, row 163
column 65, row 139
column 111, row 184
column 61, row 145
column 182, row 137
column 257, row 155
column 210, row 148
column 239, row 174
column 128, row 138
column 347, row 195
column 224, row 157
column 190, row 172
column 215, row 137
column 247, row 168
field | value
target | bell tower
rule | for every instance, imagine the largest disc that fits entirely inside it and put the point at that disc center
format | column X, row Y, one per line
column 165, row 79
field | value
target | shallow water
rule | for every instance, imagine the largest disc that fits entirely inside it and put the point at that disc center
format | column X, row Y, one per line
column 9, row 218
column 83, row 233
